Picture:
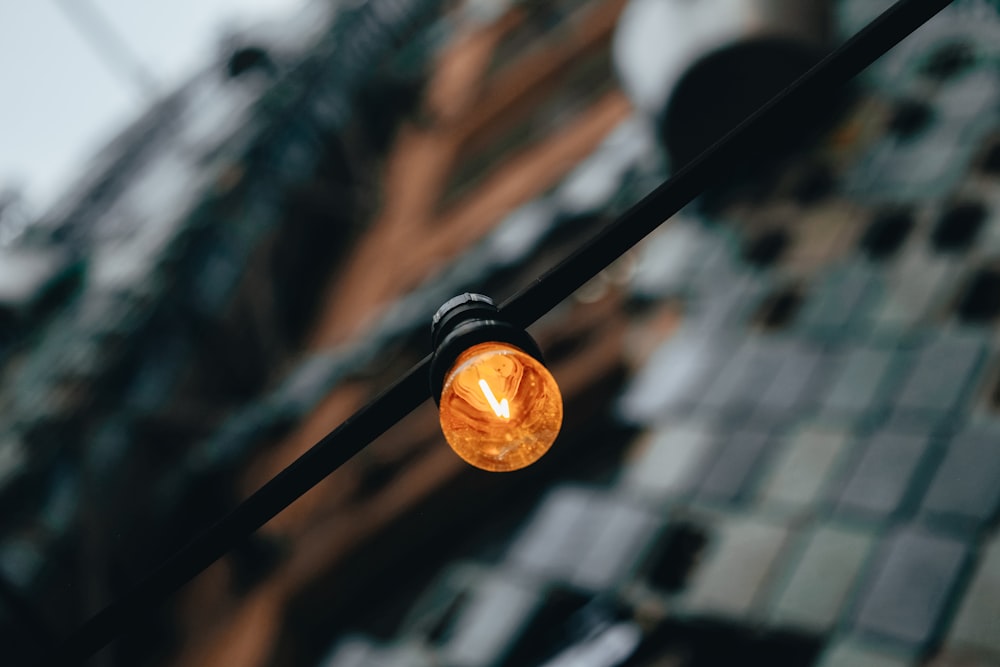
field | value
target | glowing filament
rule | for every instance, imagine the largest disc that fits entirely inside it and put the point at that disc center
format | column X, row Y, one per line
column 505, row 433
column 502, row 409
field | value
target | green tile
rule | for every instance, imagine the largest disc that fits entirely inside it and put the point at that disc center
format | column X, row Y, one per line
column 963, row 659
column 668, row 460
column 913, row 286
column 977, row 624
column 822, row 578
column 906, row 594
column 802, row 468
column 849, row 653
column 736, row 567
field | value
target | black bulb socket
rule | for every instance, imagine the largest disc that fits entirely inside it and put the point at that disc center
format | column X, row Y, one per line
column 467, row 320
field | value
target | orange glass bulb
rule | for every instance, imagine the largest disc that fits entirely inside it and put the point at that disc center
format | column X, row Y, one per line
column 501, row 409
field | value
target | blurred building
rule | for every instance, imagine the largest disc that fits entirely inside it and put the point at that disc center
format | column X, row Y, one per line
column 780, row 440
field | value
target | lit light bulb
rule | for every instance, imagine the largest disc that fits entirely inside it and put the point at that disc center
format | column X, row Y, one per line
column 500, row 408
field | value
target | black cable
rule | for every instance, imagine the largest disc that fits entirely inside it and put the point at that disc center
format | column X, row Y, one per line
column 797, row 101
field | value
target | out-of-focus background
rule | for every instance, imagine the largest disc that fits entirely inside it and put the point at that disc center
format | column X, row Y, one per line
column 225, row 226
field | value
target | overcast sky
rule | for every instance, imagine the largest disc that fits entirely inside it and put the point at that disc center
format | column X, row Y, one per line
column 60, row 101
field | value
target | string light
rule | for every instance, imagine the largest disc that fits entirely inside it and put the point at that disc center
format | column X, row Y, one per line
column 544, row 293
column 500, row 408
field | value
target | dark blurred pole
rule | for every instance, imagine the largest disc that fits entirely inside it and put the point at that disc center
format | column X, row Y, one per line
column 108, row 45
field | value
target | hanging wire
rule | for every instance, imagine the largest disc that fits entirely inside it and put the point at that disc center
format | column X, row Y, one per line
column 802, row 100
